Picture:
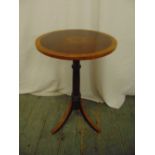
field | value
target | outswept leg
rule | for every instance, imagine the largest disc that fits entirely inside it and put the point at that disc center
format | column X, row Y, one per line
column 63, row 119
column 76, row 103
column 88, row 119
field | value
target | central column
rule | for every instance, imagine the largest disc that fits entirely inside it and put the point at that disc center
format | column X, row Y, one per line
column 76, row 96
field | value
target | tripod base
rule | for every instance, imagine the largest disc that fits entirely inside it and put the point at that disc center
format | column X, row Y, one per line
column 66, row 115
column 76, row 103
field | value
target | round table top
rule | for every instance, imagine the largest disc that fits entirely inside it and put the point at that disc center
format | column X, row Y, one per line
column 76, row 44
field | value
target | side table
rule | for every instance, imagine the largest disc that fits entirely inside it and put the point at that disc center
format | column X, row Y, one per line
column 76, row 45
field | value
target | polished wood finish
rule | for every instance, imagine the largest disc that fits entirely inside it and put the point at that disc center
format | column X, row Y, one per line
column 76, row 103
column 76, row 44
column 76, row 96
column 88, row 119
column 68, row 112
column 63, row 119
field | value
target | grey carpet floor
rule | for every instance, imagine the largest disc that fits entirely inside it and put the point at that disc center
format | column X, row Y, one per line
column 39, row 114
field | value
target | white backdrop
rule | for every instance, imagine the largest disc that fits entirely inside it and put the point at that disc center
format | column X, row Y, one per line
column 106, row 79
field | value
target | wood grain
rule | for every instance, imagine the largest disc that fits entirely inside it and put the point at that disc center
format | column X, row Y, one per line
column 77, row 138
column 63, row 119
column 34, row 126
column 76, row 44
column 48, row 144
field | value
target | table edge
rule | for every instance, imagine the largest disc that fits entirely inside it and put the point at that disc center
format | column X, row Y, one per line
column 81, row 56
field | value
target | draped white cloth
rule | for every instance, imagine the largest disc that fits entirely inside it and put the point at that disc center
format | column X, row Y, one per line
column 106, row 79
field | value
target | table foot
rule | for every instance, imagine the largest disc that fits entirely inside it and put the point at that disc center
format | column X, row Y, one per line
column 88, row 119
column 63, row 119
column 66, row 115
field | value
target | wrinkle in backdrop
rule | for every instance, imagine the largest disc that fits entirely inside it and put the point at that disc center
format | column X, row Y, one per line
column 106, row 79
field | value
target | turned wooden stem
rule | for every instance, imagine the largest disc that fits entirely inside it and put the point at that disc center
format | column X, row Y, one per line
column 76, row 103
column 76, row 96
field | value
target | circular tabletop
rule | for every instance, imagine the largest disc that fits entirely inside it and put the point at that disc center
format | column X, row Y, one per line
column 76, row 44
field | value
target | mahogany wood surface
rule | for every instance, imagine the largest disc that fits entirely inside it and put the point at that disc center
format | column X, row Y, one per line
column 75, row 44
column 63, row 119
column 66, row 115
column 89, row 120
